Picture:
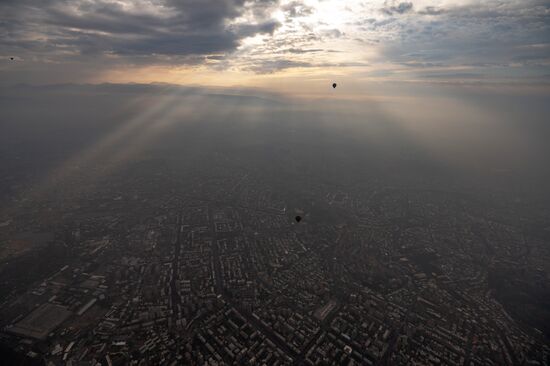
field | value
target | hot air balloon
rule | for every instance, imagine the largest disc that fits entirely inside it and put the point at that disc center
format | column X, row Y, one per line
column 334, row 85
column 298, row 218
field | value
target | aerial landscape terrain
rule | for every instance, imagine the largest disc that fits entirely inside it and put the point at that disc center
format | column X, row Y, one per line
column 272, row 182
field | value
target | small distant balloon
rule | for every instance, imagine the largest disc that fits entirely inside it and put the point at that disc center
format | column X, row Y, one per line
column 334, row 85
column 11, row 58
column 298, row 218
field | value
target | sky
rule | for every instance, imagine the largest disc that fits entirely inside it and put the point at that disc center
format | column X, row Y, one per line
column 288, row 46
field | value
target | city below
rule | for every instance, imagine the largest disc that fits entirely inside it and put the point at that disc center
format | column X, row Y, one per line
column 206, row 265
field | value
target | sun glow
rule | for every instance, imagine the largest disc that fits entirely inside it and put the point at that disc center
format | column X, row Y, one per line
column 333, row 13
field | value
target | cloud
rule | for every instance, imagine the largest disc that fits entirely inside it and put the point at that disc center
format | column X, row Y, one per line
column 65, row 38
column 271, row 66
column 144, row 28
column 493, row 32
column 249, row 30
column 431, row 10
column 455, row 75
column 302, row 51
column 296, row 9
column 392, row 7
column 216, row 57
column 331, row 33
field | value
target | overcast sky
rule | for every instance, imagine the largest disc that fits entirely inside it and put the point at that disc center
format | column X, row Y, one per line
column 268, row 42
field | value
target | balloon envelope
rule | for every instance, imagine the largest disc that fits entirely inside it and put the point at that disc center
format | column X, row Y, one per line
column 334, row 85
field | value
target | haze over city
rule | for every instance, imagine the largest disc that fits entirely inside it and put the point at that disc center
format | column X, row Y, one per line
column 274, row 182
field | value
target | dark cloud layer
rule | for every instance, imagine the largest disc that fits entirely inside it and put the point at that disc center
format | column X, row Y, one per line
column 144, row 28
